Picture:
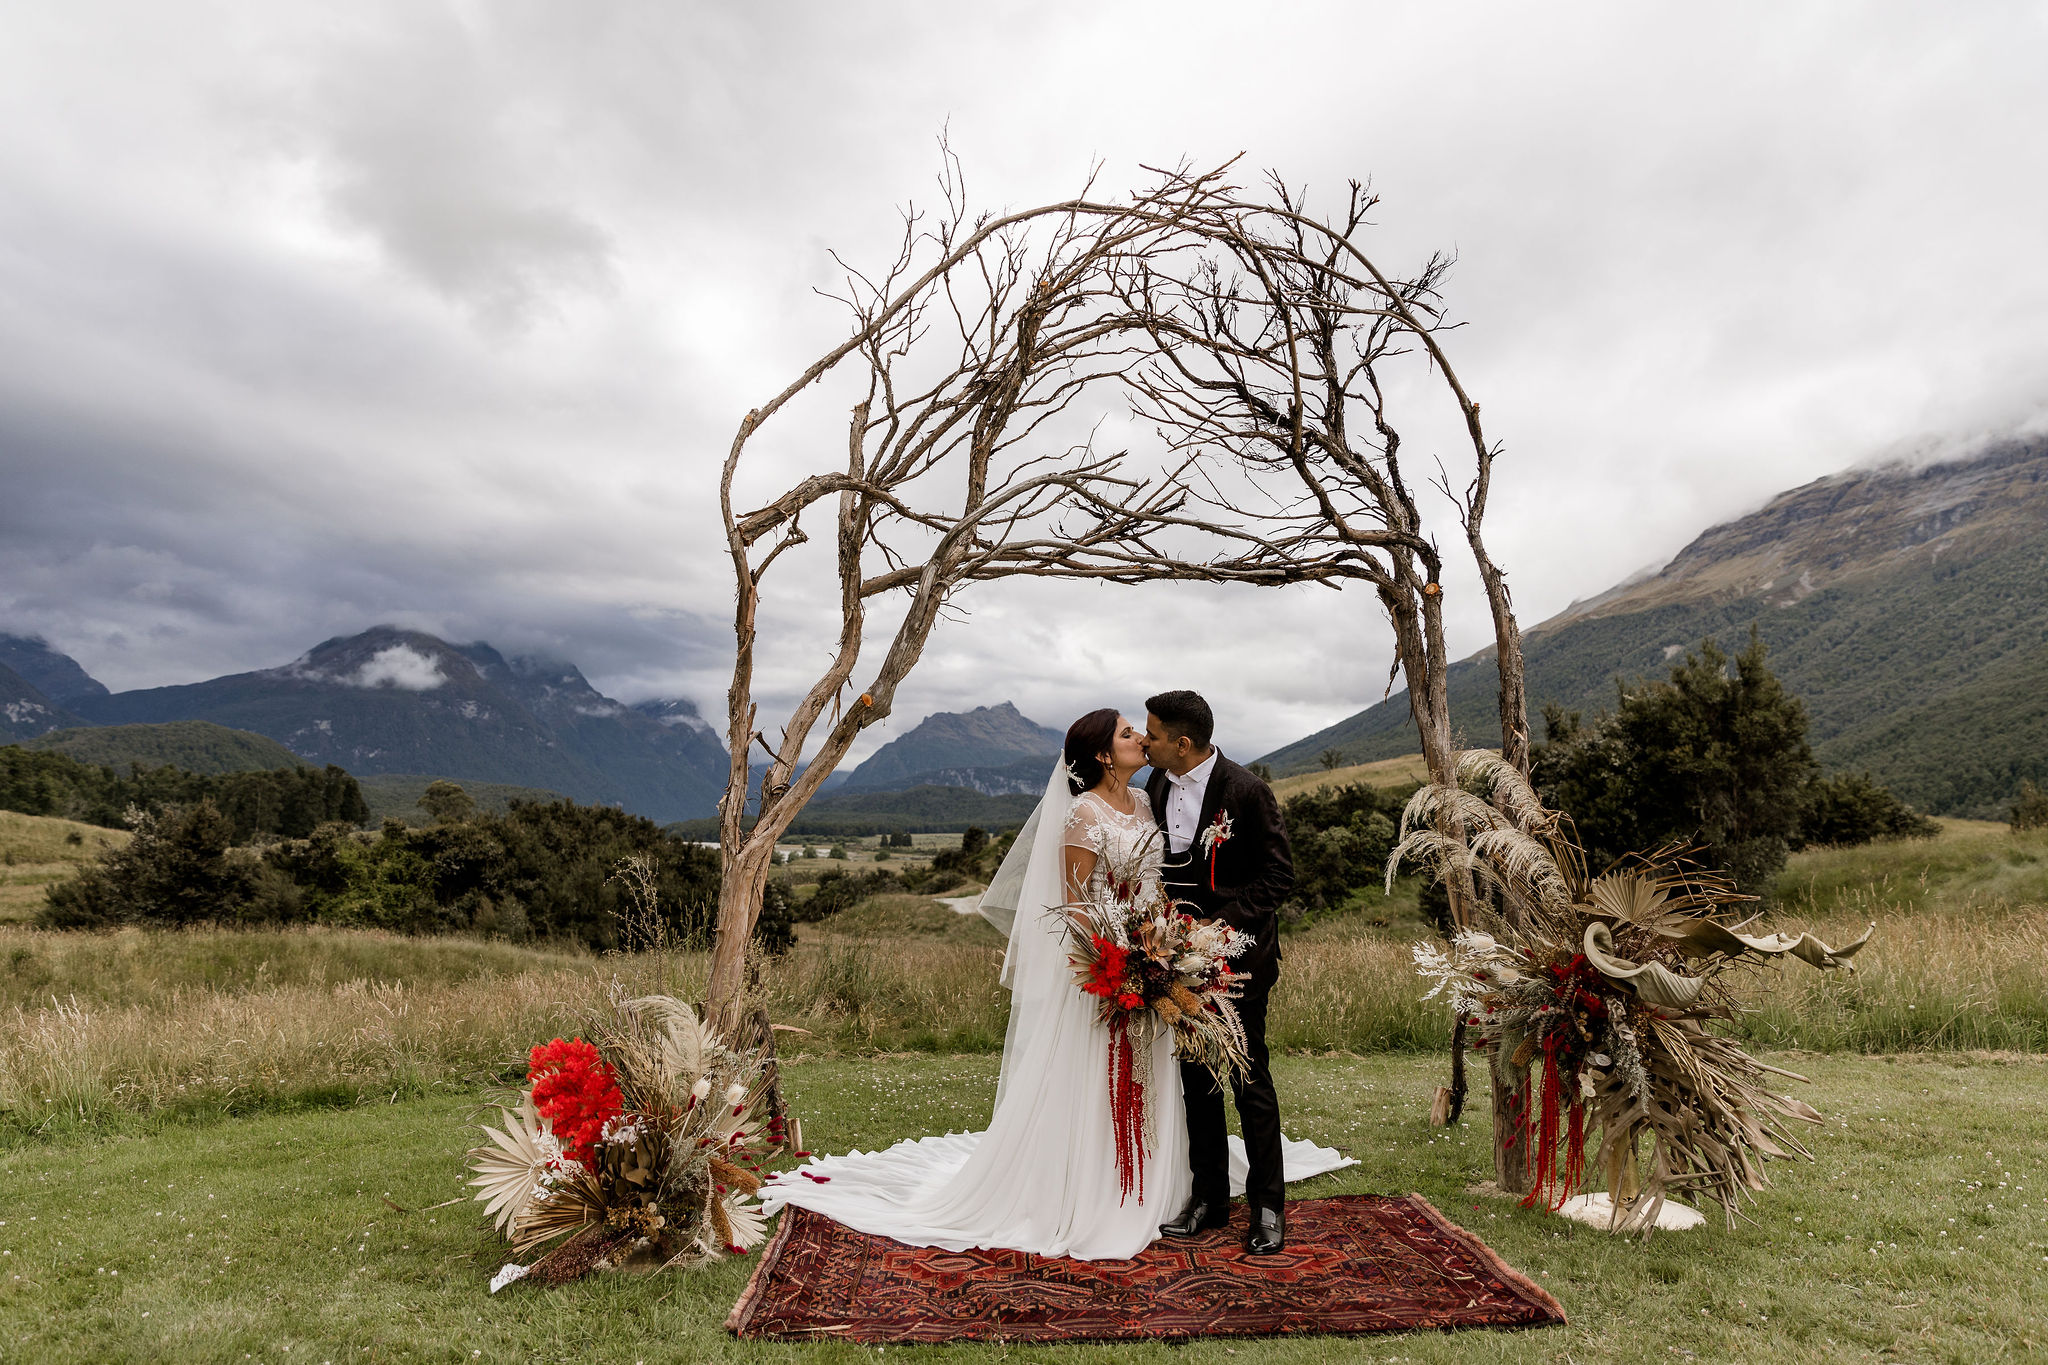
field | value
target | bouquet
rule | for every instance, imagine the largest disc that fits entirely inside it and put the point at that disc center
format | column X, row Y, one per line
column 641, row 1148
column 1151, row 965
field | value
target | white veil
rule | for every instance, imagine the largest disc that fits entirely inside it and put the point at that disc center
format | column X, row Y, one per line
column 1020, row 900
column 1030, row 867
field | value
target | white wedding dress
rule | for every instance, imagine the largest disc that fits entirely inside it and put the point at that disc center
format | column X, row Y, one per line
column 1042, row 1177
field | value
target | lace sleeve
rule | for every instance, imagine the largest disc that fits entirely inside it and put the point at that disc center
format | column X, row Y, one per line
column 1084, row 824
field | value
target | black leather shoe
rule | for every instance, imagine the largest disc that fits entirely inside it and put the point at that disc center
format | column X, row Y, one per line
column 1268, row 1236
column 1197, row 1218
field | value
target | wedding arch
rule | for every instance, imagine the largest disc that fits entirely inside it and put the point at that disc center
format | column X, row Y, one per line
column 1252, row 335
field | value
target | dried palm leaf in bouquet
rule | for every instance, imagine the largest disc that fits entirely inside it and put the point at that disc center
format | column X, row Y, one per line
column 1608, row 988
column 641, row 1147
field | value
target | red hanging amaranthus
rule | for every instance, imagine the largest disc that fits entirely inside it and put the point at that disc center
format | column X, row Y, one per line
column 1558, row 1154
column 1127, row 1108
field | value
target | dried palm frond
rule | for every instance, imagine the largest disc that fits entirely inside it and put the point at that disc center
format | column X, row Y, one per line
column 516, row 1167
column 1610, row 985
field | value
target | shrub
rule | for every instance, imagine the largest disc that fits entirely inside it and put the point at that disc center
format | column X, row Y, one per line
column 839, row 890
column 775, row 930
column 178, row 870
column 1855, row 808
column 538, row 870
column 2030, row 811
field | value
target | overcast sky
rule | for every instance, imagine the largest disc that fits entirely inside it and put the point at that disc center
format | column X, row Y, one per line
column 317, row 316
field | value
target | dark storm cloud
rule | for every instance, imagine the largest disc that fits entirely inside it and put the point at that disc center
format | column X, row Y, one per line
column 321, row 316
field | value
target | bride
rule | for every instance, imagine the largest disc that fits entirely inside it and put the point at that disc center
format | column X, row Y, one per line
column 1042, row 1177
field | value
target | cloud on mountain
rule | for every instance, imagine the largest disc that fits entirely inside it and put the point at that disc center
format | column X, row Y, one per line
column 320, row 316
column 402, row 667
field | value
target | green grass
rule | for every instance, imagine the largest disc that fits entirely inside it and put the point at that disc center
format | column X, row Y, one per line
column 1974, row 865
column 268, row 1239
column 903, row 916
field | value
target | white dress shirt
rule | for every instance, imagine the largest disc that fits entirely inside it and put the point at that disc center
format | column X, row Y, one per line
column 1184, row 804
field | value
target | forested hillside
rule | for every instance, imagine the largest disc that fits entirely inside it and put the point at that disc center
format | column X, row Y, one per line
column 196, row 746
column 1908, row 608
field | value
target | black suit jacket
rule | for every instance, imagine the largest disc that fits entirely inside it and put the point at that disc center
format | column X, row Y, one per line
column 1254, row 867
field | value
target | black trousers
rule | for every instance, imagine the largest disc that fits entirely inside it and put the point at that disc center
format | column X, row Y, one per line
column 1258, row 1114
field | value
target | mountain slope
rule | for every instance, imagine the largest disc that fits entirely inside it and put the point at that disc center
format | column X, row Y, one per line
column 994, row 750
column 197, row 746
column 26, row 711
column 1907, row 607
column 396, row 701
column 57, row 676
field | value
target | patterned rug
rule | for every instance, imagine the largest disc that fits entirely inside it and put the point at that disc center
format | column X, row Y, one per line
column 1355, row 1263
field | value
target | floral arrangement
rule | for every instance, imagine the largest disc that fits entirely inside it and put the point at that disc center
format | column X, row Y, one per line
column 1604, row 989
column 1152, row 965
column 641, row 1148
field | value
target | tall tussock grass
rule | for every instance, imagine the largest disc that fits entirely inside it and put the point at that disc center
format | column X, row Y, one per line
column 97, row 1028
column 223, row 1025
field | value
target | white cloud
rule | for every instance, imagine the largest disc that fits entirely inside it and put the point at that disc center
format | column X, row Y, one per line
column 323, row 316
column 402, row 667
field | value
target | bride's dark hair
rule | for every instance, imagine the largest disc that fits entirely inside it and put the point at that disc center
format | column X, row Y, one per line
column 1087, row 738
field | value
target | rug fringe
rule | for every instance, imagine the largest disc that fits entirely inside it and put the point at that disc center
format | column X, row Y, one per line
column 757, row 1283
column 1529, row 1289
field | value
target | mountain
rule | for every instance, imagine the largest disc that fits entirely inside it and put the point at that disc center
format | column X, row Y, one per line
column 26, row 710
column 197, row 746
column 993, row 750
column 1907, row 606
column 398, row 701
column 57, row 676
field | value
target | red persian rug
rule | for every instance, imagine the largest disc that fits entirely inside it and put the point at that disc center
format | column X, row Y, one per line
column 1355, row 1263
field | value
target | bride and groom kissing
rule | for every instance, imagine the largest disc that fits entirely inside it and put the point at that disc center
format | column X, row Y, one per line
column 1043, row 1177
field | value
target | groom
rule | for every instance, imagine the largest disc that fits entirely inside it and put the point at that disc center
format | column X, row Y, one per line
column 1226, row 854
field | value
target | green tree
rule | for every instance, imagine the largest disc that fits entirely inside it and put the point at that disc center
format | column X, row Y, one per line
column 1717, row 755
column 178, row 870
column 447, row 802
column 1331, row 759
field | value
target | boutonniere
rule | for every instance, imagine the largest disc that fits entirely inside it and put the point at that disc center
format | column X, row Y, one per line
column 1213, row 838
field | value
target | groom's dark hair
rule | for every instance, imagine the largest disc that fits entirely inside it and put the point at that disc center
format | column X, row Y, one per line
column 1184, row 713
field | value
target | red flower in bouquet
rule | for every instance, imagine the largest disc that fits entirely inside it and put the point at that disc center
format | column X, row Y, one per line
column 1106, row 973
column 575, row 1091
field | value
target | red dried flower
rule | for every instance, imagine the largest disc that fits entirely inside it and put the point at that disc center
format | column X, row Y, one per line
column 1106, row 976
column 575, row 1091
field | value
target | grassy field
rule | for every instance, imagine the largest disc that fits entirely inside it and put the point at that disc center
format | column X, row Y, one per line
column 98, row 1032
column 1385, row 772
column 1919, row 1233
column 198, row 1130
column 36, row 852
